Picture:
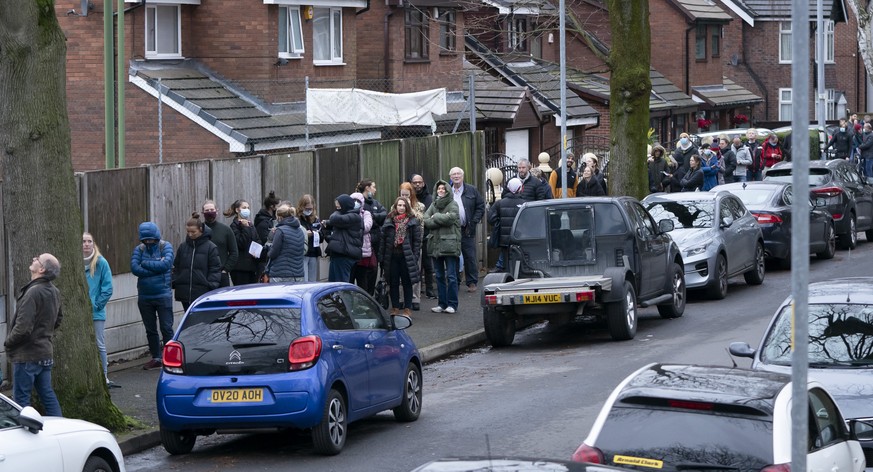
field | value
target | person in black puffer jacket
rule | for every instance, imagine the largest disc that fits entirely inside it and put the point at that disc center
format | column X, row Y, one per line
column 401, row 251
column 289, row 248
column 197, row 267
column 502, row 213
column 346, row 239
column 246, row 269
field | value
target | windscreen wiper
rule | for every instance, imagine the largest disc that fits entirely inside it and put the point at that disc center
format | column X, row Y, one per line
column 703, row 466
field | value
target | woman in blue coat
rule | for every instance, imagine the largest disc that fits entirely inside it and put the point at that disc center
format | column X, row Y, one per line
column 99, row 277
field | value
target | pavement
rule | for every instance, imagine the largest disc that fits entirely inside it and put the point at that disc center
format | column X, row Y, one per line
column 435, row 334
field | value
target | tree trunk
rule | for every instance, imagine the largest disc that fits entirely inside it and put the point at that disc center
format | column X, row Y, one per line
column 40, row 208
column 629, row 91
column 865, row 35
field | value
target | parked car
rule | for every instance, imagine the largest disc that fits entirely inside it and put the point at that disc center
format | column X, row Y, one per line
column 730, row 133
column 510, row 464
column 770, row 204
column 821, row 135
column 840, row 345
column 687, row 417
column 848, row 196
column 31, row 442
column 311, row 356
column 718, row 237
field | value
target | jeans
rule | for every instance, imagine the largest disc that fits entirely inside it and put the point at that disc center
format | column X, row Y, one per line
column 471, row 262
column 99, row 326
column 279, row 280
column 26, row 376
column 310, row 269
column 868, row 167
column 399, row 273
column 740, row 178
column 446, row 270
column 754, row 176
column 340, row 269
column 157, row 313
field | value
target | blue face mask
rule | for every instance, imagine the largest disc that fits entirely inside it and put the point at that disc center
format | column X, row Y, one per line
column 842, row 130
column 683, row 141
column 245, row 213
column 357, row 205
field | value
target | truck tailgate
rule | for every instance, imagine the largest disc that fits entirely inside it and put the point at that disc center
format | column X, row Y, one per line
column 547, row 290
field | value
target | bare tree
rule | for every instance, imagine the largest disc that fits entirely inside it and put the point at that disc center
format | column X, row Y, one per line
column 40, row 211
column 863, row 11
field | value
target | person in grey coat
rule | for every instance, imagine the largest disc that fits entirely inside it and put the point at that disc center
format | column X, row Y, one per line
column 287, row 254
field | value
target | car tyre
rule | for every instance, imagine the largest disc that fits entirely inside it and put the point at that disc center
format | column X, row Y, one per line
column 329, row 436
column 869, row 235
column 831, row 244
column 718, row 288
column 755, row 276
column 410, row 406
column 850, row 239
column 97, row 464
column 676, row 307
column 621, row 316
column 785, row 262
column 177, row 442
column 499, row 329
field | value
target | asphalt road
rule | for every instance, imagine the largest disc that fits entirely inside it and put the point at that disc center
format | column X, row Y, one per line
column 536, row 398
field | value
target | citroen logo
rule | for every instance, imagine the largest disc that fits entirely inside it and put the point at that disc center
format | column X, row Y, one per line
column 235, row 356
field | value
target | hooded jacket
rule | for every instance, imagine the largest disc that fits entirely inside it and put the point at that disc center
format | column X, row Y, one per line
column 197, row 268
column 444, row 222
column 152, row 264
column 222, row 236
column 288, row 250
column 347, row 228
column 657, row 168
column 502, row 215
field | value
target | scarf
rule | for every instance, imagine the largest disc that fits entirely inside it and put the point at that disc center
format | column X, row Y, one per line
column 400, row 228
column 89, row 259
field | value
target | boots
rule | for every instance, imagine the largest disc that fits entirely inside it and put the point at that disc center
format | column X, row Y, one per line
column 407, row 312
column 395, row 311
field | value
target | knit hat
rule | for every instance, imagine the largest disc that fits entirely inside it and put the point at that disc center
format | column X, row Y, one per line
column 857, row 126
column 714, row 146
column 514, row 185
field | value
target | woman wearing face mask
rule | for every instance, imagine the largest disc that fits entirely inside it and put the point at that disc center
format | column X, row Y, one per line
column 841, row 141
column 314, row 235
column 684, row 150
column 246, row 269
column 222, row 236
column 99, row 277
column 197, row 267
column 771, row 152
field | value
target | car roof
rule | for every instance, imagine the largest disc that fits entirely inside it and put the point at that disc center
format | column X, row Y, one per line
column 713, row 384
column 281, row 291
column 830, row 163
column 843, row 290
column 682, row 196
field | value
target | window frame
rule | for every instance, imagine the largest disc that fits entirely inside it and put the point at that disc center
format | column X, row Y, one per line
column 785, row 103
column 154, row 54
column 715, row 41
column 447, row 21
column 290, row 51
column 700, row 50
column 334, row 32
column 518, row 29
column 829, row 43
column 416, row 29
column 785, row 36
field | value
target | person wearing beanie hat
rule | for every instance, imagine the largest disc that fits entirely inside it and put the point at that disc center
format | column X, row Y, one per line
column 346, row 239
column 502, row 214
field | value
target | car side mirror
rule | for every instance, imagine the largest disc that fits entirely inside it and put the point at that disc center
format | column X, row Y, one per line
column 861, row 430
column 741, row 349
column 401, row 321
column 30, row 419
column 727, row 221
column 665, row 226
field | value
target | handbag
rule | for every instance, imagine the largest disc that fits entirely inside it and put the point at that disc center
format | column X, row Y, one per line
column 381, row 293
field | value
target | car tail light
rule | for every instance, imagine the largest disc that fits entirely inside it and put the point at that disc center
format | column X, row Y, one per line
column 242, row 303
column 304, row 352
column 586, row 453
column 174, row 357
column 828, row 192
column 690, row 405
column 491, row 299
column 767, row 218
column 584, row 296
column 837, row 216
column 786, row 467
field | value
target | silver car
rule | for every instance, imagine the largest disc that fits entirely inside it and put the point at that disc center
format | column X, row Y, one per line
column 717, row 236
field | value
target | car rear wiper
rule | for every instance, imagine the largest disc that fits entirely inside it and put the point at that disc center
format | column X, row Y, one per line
column 841, row 364
column 245, row 345
column 703, row 466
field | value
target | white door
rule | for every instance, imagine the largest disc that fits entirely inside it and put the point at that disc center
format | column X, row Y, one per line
column 517, row 145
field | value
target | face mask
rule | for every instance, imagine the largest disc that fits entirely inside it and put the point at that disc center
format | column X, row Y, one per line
column 245, row 213
column 210, row 215
column 842, row 130
column 683, row 141
column 357, row 205
column 369, row 194
column 307, row 212
column 772, row 141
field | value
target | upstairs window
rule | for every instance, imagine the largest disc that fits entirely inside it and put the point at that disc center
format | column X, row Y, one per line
column 290, row 32
column 828, row 41
column 447, row 25
column 785, row 104
column 700, row 43
column 715, row 44
column 163, row 31
column 785, row 42
column 415, row 46
column 518, row 34
column 327, row 36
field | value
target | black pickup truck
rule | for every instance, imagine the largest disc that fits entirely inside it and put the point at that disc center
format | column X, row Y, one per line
column 586, row 259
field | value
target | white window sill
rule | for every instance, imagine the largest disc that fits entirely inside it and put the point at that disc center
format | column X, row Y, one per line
column 285, row 55
column 328, row 63
column 785, row 62
column 164, row 56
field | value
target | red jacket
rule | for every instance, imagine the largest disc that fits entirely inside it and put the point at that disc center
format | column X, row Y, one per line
column 771, row 154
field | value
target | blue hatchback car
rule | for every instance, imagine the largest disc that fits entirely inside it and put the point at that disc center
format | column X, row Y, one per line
column 270, row 356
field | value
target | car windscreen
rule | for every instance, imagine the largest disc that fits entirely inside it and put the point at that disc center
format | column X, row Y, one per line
column 840, row 335
column 685, row 440
column 238, row 340
column 817, row 176
column 685, row 214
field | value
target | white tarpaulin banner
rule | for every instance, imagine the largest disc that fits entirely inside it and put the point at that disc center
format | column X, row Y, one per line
column 366, row 107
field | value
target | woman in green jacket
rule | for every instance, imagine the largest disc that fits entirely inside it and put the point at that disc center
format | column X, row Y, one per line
column 443, row 221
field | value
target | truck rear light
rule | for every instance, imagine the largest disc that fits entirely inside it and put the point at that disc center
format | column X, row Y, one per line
column 174, row 357
column 786, row 467
column 491, row 299
column 584, row 296
column 592, row 455
column 304, row 352
column 767, row 218
column 827, row 192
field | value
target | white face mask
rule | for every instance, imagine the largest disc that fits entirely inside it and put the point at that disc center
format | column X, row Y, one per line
column 245, row 213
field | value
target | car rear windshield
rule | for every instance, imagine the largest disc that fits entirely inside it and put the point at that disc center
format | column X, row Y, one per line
column 532, row 223
column 687, row 214
column 685, row 439
column 754, row 197
column 817, row 176
column 840, row 334
column 238, row 340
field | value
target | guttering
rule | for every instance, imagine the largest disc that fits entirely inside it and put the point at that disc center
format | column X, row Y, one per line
column 366, row 8
column 387, row 53
column 688, row 60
